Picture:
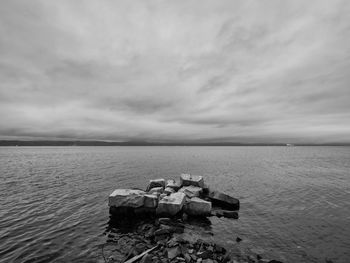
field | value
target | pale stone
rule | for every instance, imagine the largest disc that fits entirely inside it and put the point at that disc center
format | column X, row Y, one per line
column 172, row 204
column 195, row 180
column 151, row 201
column 173, row 184
column 161, row 196
column 156, row 183
column 191, row 191
column 198, row 207
column 223, row 200
column 169, row 190
column 156, row 190
column 126, row 198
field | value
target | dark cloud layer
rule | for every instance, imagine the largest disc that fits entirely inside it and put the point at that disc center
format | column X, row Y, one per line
column 250, row 71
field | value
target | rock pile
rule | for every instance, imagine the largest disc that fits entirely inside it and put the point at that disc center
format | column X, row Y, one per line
column 189, row 195
column 171, row 241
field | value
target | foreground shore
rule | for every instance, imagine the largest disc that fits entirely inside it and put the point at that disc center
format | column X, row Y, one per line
column 173, row 240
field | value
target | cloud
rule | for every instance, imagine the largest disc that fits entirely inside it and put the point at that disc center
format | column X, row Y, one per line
column 175, row 70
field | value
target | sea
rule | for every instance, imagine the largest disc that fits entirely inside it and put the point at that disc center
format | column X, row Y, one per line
column 295, row 201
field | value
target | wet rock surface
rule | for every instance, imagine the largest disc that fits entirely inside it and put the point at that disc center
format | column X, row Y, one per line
column 176, row 240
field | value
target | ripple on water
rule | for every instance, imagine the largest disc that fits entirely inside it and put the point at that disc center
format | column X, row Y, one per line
column 293, row 200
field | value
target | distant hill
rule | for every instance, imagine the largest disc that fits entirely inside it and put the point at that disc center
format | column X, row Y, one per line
column 144, row 143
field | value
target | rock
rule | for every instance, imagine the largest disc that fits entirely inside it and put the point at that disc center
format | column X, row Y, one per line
column 226, row 259
column 173, row 228
column 194, row 257
column 191, row 191
column 206, row 189
column 218, row 213
column 156, row 190
column 160, row 238
column 173, row 184
column 139, row 248
column 126, row 198
column 223, row 200
column 161, row 232
column 169, row 190
column 121, row 211
column 198, row 207
column 220, row 249
column 187, row 257
column 188, row 179
column 143, row 211
column 171, row 205
column 162, row 196
column 230, row 214
column 164, row 220
column 150, row 233
column 173, row 252
column 150, row 201
column 146, row 259
column 156, row 183
column 204, row 254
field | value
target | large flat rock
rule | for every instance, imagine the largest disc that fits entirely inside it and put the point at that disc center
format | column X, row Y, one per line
column 223, row 200
column 126, row 198
column 198, row 207
column 171, row 205
column 189, row 179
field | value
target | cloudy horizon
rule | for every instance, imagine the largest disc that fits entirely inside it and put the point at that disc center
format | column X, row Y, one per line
column 239, row 71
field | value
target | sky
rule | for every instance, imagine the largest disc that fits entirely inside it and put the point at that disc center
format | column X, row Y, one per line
column 238, row 71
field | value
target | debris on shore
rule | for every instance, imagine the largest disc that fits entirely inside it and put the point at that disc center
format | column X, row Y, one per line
column 157, row 225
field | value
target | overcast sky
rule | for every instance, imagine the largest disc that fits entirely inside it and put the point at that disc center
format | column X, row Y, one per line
column 242, row 71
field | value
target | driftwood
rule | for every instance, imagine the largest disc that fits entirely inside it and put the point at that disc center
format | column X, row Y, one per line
column 131, row 260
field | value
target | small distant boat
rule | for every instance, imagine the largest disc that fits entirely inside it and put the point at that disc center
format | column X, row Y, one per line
column 290, row 145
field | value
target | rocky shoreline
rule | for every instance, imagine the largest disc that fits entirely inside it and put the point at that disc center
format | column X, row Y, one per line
column 156, row 225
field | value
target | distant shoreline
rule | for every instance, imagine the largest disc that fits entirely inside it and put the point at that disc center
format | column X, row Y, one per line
column 142, row 143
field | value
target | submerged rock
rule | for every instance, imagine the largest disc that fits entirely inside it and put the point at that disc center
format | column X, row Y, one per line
column 171, row 205
column 126, row 198
column 223, row 200
column 198, row 207
column 188, row 179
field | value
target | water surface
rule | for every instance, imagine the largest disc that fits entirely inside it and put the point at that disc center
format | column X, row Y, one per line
column 295, row 201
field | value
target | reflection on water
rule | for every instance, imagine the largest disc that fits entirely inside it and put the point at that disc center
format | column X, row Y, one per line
column 294, row 200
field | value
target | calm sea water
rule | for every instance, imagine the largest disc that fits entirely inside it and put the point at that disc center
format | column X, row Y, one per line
column 295, row 201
